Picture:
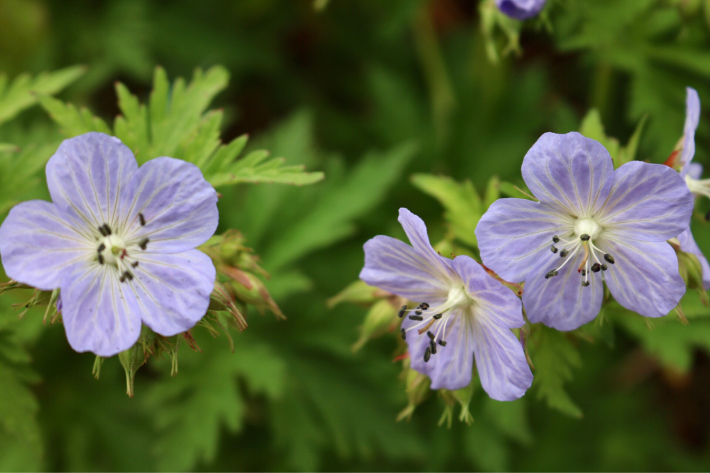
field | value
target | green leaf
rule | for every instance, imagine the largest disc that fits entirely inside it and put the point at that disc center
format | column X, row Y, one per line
column 463, row 205
column 72, row 121
column 330, row 218
column 554, row 358
column 628, row 152
column 24, row 90
column 593, row 128
column 191, row 409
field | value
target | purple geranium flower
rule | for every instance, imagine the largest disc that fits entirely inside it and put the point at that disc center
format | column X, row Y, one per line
column 463, row 312
column 520, row 9
column 592, row 224
column 682, row 159
column 118, row 241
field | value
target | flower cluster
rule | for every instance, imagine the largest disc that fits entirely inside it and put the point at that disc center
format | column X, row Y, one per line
column 588, row 226
column 118, row 240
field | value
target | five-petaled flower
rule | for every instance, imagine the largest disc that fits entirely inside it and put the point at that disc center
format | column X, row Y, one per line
column 520, row 9
column 463, row 312
column 118, row 240
column 591, row 224
column 681, row 159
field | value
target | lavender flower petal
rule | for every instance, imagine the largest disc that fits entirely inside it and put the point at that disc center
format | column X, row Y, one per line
column 688, row 245
column 515, row 233
column 648, row 202
column 694, row 171
column 645, row 276
column 396, row 267
column 500, row 360
column 569, row 172
column 38, row 247
column 692, row 118
column 561, row 302
column 99, row 313
column 172, row 290
column 520, row 9
column 416, row 231
column 492, row 298
column 178, row 205
column 88, row 174
column 452, row 366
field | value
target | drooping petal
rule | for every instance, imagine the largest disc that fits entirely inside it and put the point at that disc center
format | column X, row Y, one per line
column 648, row 202
column 569, row 172
column 500, row 359
column 416, row 231
column 513, row 233
column 88, row 175
column 172, row 290
column 520, row 9
column 688, row 245
column 178, row 205
column 645, row 276
column 561, row 302
column 498, row 302
column 39, row 245
column 692, row 117
column 100, row 314
column 396, row 267
column 452, row 365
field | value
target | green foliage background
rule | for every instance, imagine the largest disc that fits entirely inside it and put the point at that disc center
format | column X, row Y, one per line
column 382, row 97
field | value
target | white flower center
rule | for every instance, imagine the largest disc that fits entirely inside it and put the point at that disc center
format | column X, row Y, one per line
column 458, row 298
column 698, row 187
column 587, row 226
column 111, row 248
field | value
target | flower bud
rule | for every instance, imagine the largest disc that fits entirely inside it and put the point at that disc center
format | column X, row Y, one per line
column 357, row 293
column 418, row 388
column 249, row 289
column 381, row 318
column 136, row 356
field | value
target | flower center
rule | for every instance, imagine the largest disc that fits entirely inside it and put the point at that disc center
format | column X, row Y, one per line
column 434, row 320
column 587, row 226
column 698, row 187
column 111, row 248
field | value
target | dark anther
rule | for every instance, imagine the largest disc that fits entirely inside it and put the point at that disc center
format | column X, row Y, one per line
column 437, row 316
column 604, row 267
column 404, row 334
column 584, row 237
column 416, row 317
column 101, row 258
column 418, row 312
column 101, row 248
column 442, row 343
column 142, row 219
column 553, row 249
column 105, row 230
column 430, row 335
column 128, row 275
column 432, row 345
column 122, row 278
column 143, row 243
column 596, row 267
column 402, row 311
column 424, row 305
column 584, row 272
column 556, row 239
column 427, row 354
column 563, row 253
column 551, row 274
column 585, row 283
column 102, row 230
column 609, row 258
column 134, row 264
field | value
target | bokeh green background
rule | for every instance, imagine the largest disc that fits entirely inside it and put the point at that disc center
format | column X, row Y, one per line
column 370, row 92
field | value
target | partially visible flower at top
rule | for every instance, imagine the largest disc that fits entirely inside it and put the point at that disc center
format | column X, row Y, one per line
column 118, row 241
column 520, row 9
column 681, row 159
column 462, row 312
column 591, row 224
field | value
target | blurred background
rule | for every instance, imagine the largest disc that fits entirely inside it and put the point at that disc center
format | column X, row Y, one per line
column 370, row 92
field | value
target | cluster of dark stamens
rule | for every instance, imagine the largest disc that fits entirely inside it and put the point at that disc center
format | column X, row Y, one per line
column 589, row 253
column 431, row 349
column 106, row 231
